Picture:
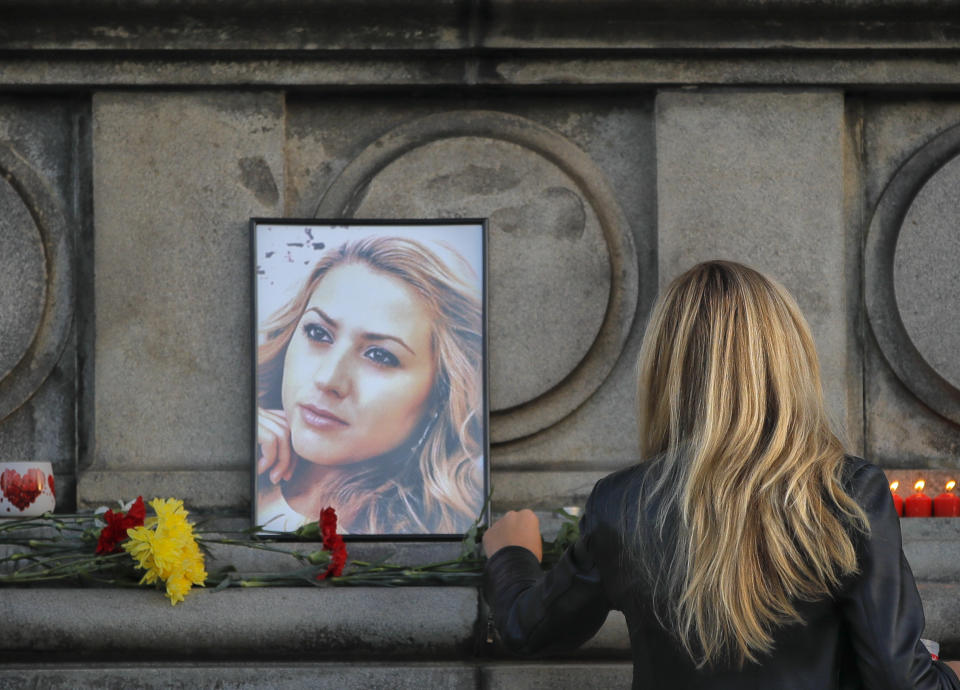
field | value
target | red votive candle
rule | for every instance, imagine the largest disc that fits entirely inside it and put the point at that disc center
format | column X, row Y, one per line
column 947, row 504
column 919, row 504
column 897, row 499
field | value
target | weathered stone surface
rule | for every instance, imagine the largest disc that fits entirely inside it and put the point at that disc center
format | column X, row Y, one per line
column 290, row 675
column 758, row 178
column 200, row 489
column 297, row 623
column 927, row 273
column 932, row 548
column 542, row 489
column 176, row 178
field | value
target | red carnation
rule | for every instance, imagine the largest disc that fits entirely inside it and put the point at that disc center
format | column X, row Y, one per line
column 328, row 527
column 333, row 543
column 118, row 523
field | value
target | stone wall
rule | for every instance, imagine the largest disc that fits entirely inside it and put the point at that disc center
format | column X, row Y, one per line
column 610, row 145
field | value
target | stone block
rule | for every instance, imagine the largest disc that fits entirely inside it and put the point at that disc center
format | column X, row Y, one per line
column 932, row 548
column 757, row 177
column 289, row 623
column 176, row 178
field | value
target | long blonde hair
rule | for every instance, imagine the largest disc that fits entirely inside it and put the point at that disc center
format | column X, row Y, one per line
column 730, row 401
column 433, row 484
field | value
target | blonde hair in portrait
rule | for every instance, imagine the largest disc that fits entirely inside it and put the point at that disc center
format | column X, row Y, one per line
column 433, row 483
column 729, row 400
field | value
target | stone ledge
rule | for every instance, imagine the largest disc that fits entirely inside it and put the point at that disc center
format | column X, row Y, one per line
column 301, row 675
column 302, row 624
column 277, row 623
column 263, row 624
column 238, row 676
column 909, row 71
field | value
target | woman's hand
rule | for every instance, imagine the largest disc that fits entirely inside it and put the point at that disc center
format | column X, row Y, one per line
column 516, row 528
column 273, row 435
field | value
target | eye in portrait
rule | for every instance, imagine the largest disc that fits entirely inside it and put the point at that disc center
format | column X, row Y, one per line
column 370, row 394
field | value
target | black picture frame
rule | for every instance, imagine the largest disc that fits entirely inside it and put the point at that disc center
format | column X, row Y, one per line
column 360, row 325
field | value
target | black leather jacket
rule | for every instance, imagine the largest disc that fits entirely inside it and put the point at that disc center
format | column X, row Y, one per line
column 867, row 635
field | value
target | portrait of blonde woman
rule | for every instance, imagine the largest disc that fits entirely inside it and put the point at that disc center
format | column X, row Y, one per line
column 747, row 548
column 370, row 392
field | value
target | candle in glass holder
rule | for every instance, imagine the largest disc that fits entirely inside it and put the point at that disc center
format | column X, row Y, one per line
column 947, row 504
column 897, row 499
column 918, row 504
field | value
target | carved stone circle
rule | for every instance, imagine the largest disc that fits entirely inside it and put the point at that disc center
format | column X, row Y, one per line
column 42, row 267
column 899, row 349
column 521, row 418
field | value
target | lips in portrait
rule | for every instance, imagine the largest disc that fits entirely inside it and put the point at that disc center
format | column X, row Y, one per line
column 320, row 418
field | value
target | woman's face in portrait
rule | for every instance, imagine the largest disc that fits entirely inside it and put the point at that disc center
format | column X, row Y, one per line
column 359, row 367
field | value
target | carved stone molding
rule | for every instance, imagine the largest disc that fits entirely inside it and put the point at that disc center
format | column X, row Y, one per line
column 606, row 298
column 899, row 348
column 39, row 270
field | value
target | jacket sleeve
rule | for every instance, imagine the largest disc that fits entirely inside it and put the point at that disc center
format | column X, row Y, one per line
column 881, row 606
column 540, row 614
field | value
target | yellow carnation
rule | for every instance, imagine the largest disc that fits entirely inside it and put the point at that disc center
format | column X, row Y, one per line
column 167, row 550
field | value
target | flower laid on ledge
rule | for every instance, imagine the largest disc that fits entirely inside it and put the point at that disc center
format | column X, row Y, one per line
column 115, row 531
column 165, row 547
column 110, row 547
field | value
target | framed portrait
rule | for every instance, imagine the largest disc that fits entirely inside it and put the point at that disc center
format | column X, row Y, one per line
column 370, row 381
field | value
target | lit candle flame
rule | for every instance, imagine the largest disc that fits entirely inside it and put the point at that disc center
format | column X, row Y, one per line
column 950, row 485
column 894, row 486
column 918, row 487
